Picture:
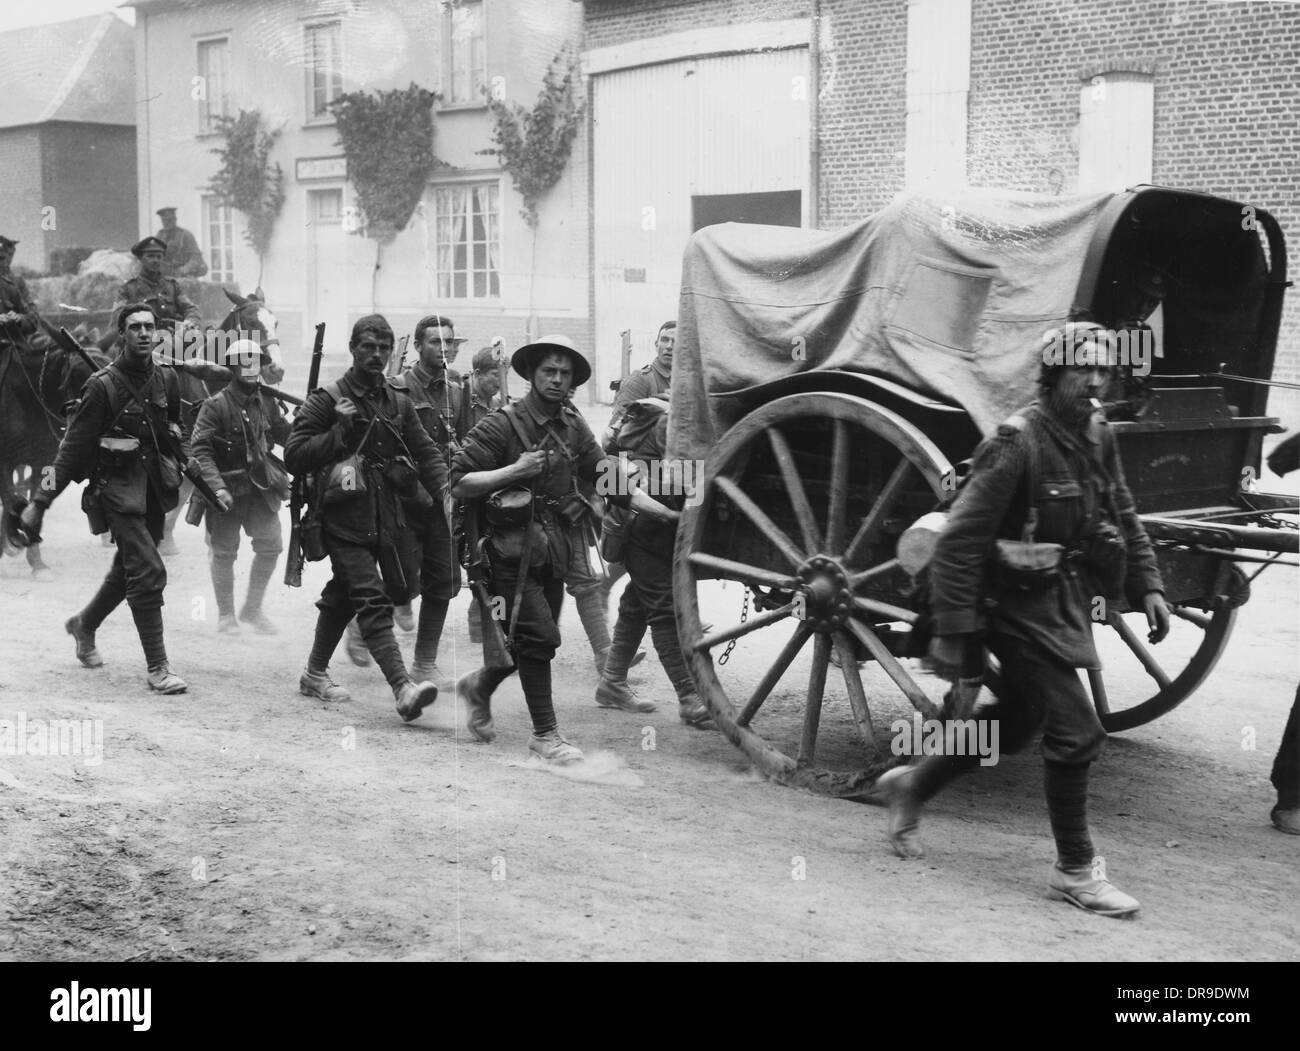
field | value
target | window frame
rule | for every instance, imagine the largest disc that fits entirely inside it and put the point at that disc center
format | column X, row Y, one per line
column 309, row 70
column 448, row 292
column 204, row 111
column 477, row 100
column 207, row 203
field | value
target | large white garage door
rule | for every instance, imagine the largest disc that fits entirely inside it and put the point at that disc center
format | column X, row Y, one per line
column 708, row 136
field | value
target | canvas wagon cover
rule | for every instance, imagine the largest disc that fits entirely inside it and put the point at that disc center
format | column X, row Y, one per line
column 949, row 296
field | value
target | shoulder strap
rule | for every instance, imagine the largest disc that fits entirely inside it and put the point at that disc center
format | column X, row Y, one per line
column 518, row 425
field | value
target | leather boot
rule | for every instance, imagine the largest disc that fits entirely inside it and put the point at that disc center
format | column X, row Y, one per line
column 258, row 578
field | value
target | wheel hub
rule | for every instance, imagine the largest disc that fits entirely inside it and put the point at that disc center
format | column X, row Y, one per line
column 827, row 596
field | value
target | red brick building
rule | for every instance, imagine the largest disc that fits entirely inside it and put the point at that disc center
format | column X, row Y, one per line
column 998, row 93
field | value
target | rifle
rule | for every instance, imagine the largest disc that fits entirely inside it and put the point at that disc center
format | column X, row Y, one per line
column 496, row 653
column 294, row 562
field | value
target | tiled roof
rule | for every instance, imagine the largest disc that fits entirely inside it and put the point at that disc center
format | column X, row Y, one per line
column 80, row 70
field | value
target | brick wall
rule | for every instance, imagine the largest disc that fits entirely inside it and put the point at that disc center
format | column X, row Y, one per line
column 1227, row 90
column 1227, row 95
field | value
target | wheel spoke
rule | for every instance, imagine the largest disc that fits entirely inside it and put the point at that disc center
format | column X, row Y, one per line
column 741, row 630
column 838, row 484
column 857, row 695
column 894, row 670
column 741, row 571
column 1193, row 616
column 775, row 536
column 884, row 609
column 774, row 673
column 794, row 486
column 812, row 713
column 875, row 518
column 1099, row 699
column 858, row 579
column 1139, row 651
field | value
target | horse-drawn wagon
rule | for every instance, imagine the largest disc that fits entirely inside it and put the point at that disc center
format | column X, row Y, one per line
column 829, row 383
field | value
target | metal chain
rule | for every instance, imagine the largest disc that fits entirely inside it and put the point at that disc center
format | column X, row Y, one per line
column 744, row 615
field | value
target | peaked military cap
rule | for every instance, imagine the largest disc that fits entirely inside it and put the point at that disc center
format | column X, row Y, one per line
column 145, row 244
column 165, row 209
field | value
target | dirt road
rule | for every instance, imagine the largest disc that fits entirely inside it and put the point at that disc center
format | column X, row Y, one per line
column 242, row 821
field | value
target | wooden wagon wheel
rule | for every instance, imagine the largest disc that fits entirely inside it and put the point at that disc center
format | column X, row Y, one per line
column 818, row 584
column 1135, row 665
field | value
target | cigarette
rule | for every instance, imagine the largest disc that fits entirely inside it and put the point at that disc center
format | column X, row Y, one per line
column 1095, row 404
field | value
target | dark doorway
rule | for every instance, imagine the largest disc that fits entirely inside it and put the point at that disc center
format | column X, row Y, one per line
column 783, row 208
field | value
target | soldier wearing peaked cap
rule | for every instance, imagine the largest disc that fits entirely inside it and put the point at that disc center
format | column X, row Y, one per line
column 530, row 456
column 18, row 316
column 183, row 257
column 233, row 439
column 124, row 439
column 163, row 294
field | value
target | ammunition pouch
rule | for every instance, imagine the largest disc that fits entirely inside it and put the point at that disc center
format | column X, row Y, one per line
column 401, row 475
column 1104, row 553
column 573, row 510
column 269, row 475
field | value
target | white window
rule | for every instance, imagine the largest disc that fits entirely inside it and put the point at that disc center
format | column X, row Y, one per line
column 213, row 85
column 938, row 86
column 219, row 239
column 464, row 52
column 325, row 207
column 468, row 241
column 324, row 61
column 1116, row 131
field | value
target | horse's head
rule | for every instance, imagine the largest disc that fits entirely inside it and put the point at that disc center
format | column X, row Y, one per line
column 251, row 315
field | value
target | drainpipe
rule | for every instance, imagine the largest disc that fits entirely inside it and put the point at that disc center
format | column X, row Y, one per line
column 814, row 117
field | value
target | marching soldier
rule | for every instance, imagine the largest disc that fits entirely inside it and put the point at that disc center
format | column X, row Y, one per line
column 18, row 316
column 431, row 552
column 182, row 258
column 649, row 381
column 480, row 395
column 163, row 294
column 125, row 437
column 368, row 450
column 527, row 459
column 232, row 442
column 647, row 600
column 1050, row 475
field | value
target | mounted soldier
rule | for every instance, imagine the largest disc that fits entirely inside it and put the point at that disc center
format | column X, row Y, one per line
column 232, row 442
column 364, row 443
column 183, row 257
column 18, row 316
column 125, row 437
column 164, row 296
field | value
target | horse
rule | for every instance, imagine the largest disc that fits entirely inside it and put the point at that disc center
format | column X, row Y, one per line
column 38, row 378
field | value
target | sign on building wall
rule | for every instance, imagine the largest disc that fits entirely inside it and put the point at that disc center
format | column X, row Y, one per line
column 309, row 168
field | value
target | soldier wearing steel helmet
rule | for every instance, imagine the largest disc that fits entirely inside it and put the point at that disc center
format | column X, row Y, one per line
column 1051, row 475
column 233, row 439
column 537, row 449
